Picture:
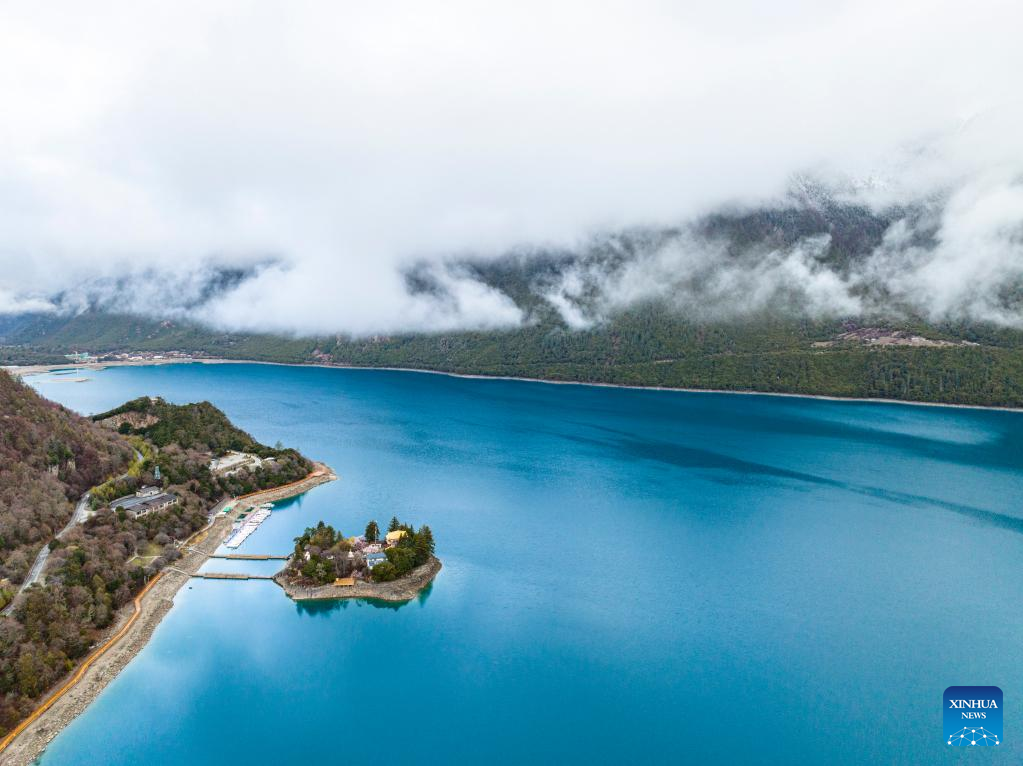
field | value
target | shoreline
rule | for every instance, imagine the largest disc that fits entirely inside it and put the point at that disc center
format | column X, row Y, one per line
column 131, row 632
column 39, row 369
column 400, row 591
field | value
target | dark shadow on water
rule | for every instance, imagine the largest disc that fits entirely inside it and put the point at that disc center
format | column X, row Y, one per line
column 731, row 470
column 324, row 607
column 376, row 603
column 320, row 608
column 294, row 500
column 424, row 594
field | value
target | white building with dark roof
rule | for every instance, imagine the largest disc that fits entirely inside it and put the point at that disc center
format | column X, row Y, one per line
column 143, row 504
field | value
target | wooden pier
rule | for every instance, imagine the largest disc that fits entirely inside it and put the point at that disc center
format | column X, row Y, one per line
column 230, row 576
column 249, row 557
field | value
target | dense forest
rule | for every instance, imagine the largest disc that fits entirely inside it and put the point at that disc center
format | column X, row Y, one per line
column 48, row 458
column 650, row 346
column 650, row 349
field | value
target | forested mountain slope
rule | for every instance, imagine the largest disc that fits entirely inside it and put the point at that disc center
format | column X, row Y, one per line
column 49, row 456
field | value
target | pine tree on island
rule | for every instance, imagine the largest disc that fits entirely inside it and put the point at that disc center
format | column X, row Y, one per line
column 372, row 532
column 427, row 534
column 423, row 544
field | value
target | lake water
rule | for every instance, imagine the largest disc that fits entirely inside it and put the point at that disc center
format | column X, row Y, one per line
column 629, row 577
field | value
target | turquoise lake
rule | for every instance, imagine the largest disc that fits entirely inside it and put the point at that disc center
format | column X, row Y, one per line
column 629, row 577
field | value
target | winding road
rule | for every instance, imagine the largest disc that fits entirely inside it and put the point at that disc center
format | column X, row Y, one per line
column 80, row 515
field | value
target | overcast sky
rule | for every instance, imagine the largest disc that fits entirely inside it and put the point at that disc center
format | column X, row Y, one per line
column 347, row 139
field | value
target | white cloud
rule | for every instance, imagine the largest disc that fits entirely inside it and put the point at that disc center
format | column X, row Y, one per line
column 977, row 257
column 349, row 139
column 20, row 304
column 698, row 278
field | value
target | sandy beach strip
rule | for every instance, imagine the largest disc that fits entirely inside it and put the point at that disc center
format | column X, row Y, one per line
column 133, row 629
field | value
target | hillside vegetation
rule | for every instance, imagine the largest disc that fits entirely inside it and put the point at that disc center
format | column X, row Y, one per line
column 188, row 436
column 98, row 566
column 650, row 346
column 49, row 457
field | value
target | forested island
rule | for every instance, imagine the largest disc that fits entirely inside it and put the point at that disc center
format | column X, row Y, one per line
column 144, row 478
column 392, row 566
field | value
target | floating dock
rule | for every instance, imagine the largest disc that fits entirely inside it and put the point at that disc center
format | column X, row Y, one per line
column 249, row 525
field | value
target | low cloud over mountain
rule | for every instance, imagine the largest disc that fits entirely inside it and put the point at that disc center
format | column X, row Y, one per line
column 296, row 167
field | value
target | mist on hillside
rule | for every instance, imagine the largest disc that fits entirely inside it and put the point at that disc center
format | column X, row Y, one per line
column 400, row 168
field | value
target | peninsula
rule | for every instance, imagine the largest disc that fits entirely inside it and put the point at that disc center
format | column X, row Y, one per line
column 81, row 602
column 393, row 567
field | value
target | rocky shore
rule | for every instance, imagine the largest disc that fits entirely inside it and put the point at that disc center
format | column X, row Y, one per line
column 156, row 603
column 403, row 589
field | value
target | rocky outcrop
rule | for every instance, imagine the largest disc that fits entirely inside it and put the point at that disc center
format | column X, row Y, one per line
column 136, row 420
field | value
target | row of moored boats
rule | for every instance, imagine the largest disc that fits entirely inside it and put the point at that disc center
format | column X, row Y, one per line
column 245, row 527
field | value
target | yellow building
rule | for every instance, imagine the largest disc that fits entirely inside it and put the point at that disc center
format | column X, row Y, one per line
column 393, row 537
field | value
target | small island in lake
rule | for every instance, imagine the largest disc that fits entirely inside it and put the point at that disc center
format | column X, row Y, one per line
column 395, row 566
